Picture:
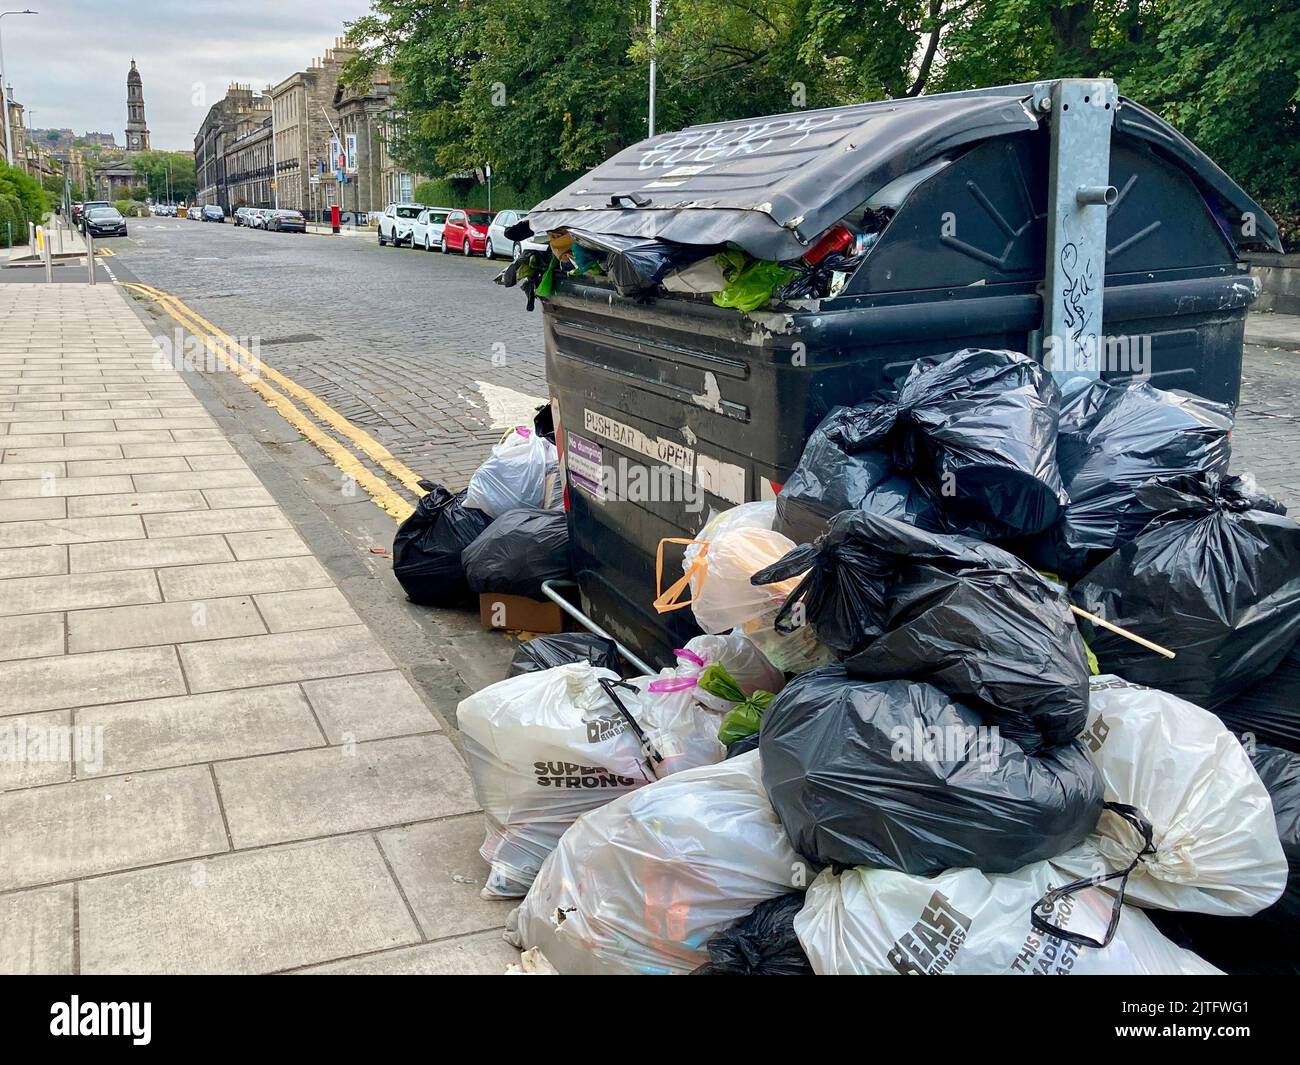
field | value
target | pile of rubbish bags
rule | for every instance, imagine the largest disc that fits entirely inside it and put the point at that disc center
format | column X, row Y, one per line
column 982, row 691
column 505, row 533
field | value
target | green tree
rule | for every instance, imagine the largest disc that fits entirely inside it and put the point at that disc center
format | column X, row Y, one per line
column 166, row 176
column 33, row 201
column 544, row 107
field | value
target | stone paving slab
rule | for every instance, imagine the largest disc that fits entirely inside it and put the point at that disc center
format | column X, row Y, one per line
column 78, row 829
column 283, row 797
column 36, row 932
column 199, row 737
column 187, row 729
column 254, row 912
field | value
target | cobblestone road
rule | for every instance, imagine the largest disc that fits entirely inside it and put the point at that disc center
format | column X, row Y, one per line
column 403, row 342
column 422, row 351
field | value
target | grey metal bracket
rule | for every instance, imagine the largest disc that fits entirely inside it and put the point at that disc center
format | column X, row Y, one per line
column 1082, row 112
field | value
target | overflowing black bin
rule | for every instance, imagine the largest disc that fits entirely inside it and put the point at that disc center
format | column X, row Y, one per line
column 670, row 382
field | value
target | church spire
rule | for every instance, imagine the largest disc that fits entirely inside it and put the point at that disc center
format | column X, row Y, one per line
column 137, row 129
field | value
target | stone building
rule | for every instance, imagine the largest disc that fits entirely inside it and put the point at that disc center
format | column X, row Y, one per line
column 237, row 113
column 370, row 115
column 248, row 168
column 304, row 120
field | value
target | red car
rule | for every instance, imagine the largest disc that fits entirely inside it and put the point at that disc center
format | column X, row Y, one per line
column 466, row 231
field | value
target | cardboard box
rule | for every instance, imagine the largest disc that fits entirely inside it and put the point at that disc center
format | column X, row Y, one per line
column 519, row 612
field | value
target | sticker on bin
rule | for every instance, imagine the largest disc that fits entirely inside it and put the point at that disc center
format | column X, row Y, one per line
column 665, row 451
column 585, row 461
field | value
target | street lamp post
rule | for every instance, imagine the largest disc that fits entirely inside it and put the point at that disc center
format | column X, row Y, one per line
column 654, row 28
column 4, row 92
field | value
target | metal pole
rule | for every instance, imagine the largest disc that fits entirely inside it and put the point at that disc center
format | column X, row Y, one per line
column 90, row 254
column 275, row 162
column 1079, row 197
column 654, row 26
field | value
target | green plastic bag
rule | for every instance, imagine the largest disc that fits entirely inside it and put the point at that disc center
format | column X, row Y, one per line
column 547, row 284
column 752, row 285
column 743, row 719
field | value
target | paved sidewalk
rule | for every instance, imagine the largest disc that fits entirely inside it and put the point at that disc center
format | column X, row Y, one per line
column 208, row 763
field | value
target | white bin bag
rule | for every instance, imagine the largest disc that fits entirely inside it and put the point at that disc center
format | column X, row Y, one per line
column 638, row 886
column 522, row 471
column 544, row 748
column 1215, row 837
column 964, row 923
column 733, row 546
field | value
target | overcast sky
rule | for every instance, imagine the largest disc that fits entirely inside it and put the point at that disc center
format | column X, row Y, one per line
column 69, row 62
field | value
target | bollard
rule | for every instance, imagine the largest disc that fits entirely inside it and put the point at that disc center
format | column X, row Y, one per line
column 58, row 225
column 90, row 255
column 44, row 247
column 31, row 236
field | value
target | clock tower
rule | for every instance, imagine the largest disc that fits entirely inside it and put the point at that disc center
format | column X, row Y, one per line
column 137, row 131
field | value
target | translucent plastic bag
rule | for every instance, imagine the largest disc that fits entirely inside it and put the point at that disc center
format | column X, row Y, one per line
column 964, row 923
column 1216, row 843
column 717, row 567
column 522, row 471
column 736, row 653
column 640, row 885
column 543, row 748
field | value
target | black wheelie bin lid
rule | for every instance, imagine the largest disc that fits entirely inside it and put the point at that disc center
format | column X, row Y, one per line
column 659, row 380
column 773, row 185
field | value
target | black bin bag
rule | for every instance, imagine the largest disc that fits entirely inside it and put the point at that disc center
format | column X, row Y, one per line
column 1114, row 438
column 895, row 601
column 762, row 943
column 829, row 480
column 545, row 652
column 1268, row 942
column 1212, row 578
column 428, row 545
column 518, row 551
column 977, row 432
column 896, row 775
column 1269, row 710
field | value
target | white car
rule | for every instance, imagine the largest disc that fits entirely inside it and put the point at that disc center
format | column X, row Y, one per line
column 426, row 230
column 396, row 222
column 499, row 244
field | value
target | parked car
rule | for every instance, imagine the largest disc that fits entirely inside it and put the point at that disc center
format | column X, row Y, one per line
column 89, row 206
column 105, row 222
column 240, row 216
column 497, row 241
column 426, row 230
column 396, row 222
column 287, row 221
column 466, row 230
column 213, row 213
column 257, row 217
column 76, row 213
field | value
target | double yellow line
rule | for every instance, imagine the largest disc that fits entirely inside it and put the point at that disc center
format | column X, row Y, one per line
column 280, row 393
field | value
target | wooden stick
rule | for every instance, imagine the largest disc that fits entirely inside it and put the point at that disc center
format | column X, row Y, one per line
column 1124, row 632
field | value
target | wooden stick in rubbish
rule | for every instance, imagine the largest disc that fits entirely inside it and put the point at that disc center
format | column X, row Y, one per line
column 1123, row 632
